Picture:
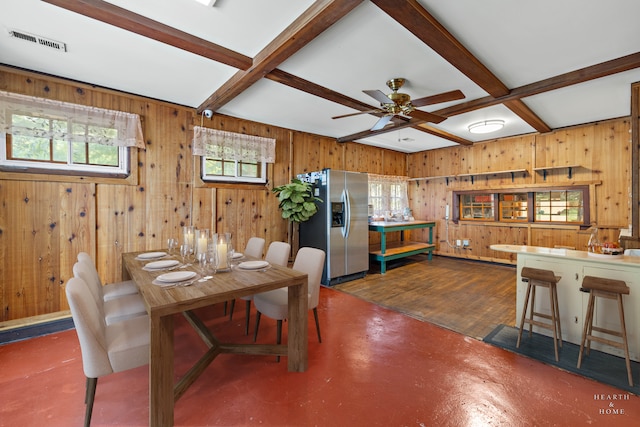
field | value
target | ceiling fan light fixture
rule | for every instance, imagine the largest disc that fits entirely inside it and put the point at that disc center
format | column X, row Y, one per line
column 486, row 126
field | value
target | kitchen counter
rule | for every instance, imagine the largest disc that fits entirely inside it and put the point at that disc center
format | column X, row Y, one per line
column 572, row 266
column 567, row 254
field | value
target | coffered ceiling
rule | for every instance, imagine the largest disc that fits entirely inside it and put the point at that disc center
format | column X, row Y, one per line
column 536, row 65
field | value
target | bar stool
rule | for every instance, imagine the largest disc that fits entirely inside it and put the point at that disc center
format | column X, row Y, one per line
column 610, row 289
column 537, row 277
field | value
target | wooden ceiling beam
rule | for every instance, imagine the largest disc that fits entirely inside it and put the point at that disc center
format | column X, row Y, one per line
column 122, row 18
column 604, row 69
column 317, row 18
column 424, row 127
column 413, row 16
column 301, row 84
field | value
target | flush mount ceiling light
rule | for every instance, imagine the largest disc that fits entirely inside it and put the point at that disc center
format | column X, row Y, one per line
column 486, row 126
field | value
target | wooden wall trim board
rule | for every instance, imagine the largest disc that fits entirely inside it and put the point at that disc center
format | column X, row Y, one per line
column 39, row 239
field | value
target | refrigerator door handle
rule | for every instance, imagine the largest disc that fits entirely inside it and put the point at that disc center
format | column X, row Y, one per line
column 347, row 213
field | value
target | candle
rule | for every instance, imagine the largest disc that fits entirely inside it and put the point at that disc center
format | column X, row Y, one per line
column 222, row 255
column 188, row 237
column 202, row 244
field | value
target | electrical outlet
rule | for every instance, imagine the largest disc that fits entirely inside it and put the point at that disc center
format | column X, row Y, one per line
column 465, row 242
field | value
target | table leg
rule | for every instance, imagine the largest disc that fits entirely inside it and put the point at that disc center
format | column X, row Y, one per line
column 297, row 342
column 161, row 398
column 383, row 249
column 430, row 242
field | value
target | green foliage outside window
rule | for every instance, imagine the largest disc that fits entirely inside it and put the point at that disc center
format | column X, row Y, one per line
column 53, row 150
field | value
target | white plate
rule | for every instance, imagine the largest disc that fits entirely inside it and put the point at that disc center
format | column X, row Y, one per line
column 253, row 265
column 152, row 255
column 176, row 276
column 237, row 255
column 157, row 265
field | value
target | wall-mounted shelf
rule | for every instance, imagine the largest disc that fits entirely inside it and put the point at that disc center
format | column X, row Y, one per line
column 545, row 170
column 472, row 175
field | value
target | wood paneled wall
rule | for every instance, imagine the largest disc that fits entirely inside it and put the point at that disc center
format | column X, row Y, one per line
column 599, row 152
column 45, row 220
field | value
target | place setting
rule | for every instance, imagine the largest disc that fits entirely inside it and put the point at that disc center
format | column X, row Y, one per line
column 166, row 264
column 258, row 265
column 147, row 256
column 176, row 279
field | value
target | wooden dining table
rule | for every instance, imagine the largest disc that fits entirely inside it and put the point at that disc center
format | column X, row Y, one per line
column 163, row 303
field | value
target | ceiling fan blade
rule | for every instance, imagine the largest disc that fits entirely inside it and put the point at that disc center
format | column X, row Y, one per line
column 378, row 96
column 377, row 110
column 382, row 122
column 437, row 99
column 427, row 117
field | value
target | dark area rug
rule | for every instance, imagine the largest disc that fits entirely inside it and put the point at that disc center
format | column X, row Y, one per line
column 36, row 330
column 599, row 366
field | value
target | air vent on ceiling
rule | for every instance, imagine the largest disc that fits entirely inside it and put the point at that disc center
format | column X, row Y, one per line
column 42, row 41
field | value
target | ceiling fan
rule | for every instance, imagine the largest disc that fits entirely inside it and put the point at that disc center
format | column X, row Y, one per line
column 400, row 104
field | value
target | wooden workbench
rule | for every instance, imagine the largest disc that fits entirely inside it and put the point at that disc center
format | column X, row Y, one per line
column 385, row 252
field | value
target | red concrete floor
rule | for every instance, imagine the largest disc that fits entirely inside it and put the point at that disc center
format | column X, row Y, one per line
column 374, row 367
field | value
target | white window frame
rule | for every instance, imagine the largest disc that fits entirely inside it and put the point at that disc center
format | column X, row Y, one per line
column 262, row 179
column 44, row 165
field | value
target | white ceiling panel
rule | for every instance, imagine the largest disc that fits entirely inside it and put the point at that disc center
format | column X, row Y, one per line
column 520, row 42
column 586, row 102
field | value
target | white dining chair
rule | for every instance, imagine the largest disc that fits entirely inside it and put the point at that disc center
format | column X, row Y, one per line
column 278, row 254
column 632, row 252
column 115, row 309
column 110, row 290
column 274, row 304
column 105, row 348
column 254, row 247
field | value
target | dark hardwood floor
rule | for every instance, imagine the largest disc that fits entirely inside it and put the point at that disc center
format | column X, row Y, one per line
column 469, row 297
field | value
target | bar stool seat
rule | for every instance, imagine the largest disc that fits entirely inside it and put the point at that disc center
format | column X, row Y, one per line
column 609, row 289
column 545, row 278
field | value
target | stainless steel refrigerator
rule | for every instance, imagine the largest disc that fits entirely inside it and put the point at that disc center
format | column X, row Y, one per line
column 340, row 227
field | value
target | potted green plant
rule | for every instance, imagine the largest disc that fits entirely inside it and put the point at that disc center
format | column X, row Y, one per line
column 297, row 201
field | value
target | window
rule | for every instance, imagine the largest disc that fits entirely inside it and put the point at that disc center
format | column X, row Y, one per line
column 229, row 156
column 388, row 195
column 514, row 207
column 548, row 205
column 233, row 170
column 477, row 207
column 38, row 134
column 559, row 206
column 51, row 153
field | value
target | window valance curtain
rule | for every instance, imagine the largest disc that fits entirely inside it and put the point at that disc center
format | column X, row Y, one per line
column 220, row 144
column 46, row 118
column 390, row 191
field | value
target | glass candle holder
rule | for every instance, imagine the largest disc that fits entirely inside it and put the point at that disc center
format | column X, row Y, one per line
column 188, row 235
column 223, row 250
column 202, row 241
